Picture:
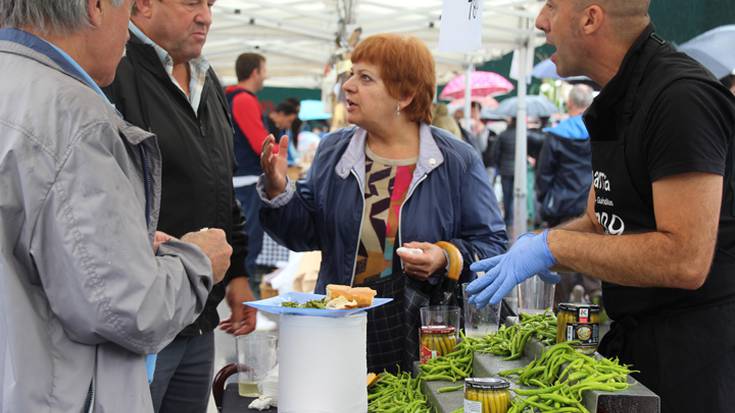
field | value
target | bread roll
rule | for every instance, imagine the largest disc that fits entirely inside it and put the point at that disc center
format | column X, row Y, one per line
column 362, row 295
column 337, row 290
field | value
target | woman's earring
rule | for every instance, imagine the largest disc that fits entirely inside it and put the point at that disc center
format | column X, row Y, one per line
column 398, row 110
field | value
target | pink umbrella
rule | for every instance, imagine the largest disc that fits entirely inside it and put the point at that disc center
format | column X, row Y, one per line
column 481, row 84
column 486, row 102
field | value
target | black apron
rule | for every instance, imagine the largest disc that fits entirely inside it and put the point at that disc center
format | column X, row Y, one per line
column 680, row 341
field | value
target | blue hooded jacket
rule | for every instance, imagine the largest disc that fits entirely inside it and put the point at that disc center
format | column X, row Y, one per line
column 564, row 170
column 449, row 199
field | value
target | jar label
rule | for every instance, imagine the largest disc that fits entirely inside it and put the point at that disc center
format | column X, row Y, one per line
column 426, row 354
column 471, row 406
column 584, row 315
column 586, row 334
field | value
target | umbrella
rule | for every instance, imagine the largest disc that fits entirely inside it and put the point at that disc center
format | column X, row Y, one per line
column 313, row 110
column 547, row 70
column 536, row 107
column 481, row 84
column 714, row 50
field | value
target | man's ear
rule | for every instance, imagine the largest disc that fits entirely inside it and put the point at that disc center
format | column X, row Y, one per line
column 593, row 17
column 94, row 12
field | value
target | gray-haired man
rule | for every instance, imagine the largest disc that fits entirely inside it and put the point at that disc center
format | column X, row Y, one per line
column 83, row 297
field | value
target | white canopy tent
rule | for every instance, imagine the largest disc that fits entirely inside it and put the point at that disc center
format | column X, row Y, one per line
column 299, row 36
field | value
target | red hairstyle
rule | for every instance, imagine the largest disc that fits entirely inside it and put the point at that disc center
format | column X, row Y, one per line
column 406, row 67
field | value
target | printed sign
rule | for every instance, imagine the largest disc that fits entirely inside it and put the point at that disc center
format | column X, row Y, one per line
column 461, row 26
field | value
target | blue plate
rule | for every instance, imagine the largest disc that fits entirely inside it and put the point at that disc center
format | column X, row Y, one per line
column 273, row 305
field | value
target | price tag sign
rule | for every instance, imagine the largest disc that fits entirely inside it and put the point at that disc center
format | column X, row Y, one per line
column 461, row 26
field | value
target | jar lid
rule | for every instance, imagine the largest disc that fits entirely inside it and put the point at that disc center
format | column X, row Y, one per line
column 574, row 307
column 487, row 383
column 437, row 330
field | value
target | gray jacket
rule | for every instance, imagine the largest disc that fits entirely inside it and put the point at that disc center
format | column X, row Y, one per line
column 82, row 296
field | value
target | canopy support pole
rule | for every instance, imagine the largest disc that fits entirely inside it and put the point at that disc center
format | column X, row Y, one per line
column 520, row 187
column 468, row 97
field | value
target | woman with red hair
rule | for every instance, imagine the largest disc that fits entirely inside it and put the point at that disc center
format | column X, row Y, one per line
column 390, row 181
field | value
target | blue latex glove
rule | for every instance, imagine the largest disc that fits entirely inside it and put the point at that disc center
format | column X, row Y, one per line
column 150, row 366
column 529, row 255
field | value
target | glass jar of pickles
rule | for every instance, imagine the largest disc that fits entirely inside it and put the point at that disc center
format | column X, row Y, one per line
column 581, row 323
column 486, row 395
column 436, row 341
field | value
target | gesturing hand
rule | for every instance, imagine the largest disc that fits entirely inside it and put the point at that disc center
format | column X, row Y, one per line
column 529, row 255
column 274, row 161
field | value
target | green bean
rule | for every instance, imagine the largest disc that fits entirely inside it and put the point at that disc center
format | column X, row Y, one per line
column 449, row 389
column 397, row 393
column 561, row 375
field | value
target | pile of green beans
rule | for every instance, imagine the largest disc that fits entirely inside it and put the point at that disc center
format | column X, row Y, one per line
column 454, row 366
column 510, row 341
column 399, row 393
column 560, row 377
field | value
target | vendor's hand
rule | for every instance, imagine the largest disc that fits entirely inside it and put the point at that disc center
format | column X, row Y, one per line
column 213, row 243
column 160, row 238
column 529, row 255
column 242, row 318
column 274, row 161
column 422, row 266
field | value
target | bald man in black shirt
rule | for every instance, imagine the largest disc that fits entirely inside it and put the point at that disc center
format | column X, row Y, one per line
column 659, row 229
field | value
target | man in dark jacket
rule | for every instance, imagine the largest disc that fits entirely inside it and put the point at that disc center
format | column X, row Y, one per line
column 564, row 169
column 659, row 229
column 164, row 85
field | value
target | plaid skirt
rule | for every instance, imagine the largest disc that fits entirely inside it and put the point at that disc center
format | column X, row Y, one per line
column 393, row 329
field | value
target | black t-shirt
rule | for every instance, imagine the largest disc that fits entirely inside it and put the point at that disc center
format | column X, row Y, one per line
column 689, row 130
column 661, row 115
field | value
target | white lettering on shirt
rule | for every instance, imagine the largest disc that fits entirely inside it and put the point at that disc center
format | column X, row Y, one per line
column 611, row 223
column 601, row 182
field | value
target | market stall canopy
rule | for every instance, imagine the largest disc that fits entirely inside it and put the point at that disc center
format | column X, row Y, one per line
column 299, row 37
column 714, row 50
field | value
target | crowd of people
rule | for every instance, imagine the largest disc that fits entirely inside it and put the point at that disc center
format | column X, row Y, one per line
column 137, row 193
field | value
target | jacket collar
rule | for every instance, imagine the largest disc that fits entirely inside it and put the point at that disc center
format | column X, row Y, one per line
column 430, row 157
column 53, row 56
column 572, row 128
column 148, row 57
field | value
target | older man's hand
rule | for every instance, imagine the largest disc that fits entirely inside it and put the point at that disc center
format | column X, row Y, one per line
column 214, row 245
column 242, row 318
